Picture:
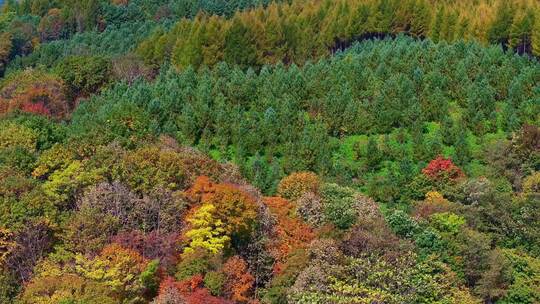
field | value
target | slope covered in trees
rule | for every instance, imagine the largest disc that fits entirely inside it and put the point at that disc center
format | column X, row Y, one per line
column 42, row 29
column 305, row 30
column 288, row 152
column 356, row 116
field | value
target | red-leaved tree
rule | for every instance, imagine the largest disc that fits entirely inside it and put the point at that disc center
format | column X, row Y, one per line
column 442, row 168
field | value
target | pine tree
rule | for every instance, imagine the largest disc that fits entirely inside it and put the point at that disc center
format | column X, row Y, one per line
column 6, row 46
column 520, row 32
column 536, row 35
column 510, row 121
column 272, row 44
column 437, row 27
column 419, row 147
column 373, row 154
column 463, row 150
column 188, row 51
column 499, row 31
column 213, row 41
column 451, row 27
column 239, row 45
column 433, row 146
column 421, row 19
column 447, row 131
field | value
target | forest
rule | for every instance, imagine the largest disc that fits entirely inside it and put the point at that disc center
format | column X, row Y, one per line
column 269, row 151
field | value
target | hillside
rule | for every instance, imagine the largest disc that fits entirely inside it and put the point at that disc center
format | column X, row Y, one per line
column 271, row 152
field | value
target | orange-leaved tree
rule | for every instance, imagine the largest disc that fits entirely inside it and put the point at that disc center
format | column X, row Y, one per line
column 239, row 283
column 221, row 212
column 290, row 232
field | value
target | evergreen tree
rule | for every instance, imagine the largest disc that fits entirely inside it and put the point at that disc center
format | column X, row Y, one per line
column 521, row 31
column 447, row 131
column 239, row 45
column 189, row 51
column 419, row 148
column 373, row 154
column 463, row 151
column 536, row 35
column 437, row 27
column 213, row 42
column 510, row 118
column 421, row 19
column 499, row 31
column 450, row 27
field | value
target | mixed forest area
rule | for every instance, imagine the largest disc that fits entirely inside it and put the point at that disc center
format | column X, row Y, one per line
column 269, row 151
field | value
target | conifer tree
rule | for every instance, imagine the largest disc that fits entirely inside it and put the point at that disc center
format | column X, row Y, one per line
column 536, row 35
column 239, row 45
column 421, row 19
column 520, row 31
column 189, row 51
column 373, row 154
column 463, row 151
column 447, row 131
column 499, row 31
column 213, row 41
column 437, row 27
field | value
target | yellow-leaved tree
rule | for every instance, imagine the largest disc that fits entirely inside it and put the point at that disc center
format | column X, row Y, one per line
column 207, row 232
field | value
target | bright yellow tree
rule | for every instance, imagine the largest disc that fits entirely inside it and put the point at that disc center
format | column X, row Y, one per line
column 207, row 232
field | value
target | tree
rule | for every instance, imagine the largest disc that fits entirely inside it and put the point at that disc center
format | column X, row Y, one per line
column 15, row 135
column 236, row 209
column 239, row 282
column 290, row 234
column 84, row 75
column 437, row 26
column 131, row 68
column 151, row 168
column 535, row 35
column 213, row 41
column 441, row 168
column 34, row 91
column 371, row 279
column 31, row 245
column 155, row 245
column 51, row 26
column 297, row 184
column 311, row 209
column 239, row 45
column 188, row 52
column 5, row 50
column 421, row 19
column 499, row 31
column 339, row 205
column 66, row 288
column 463, row 151
column 128, row 275
column 373, row 154
column 206, row 231
column 520, row 31
column 63, row 185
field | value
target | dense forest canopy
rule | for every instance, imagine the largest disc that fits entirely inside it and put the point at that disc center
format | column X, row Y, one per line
column 272, row 152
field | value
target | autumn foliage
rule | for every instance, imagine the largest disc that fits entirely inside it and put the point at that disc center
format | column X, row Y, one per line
column 291, row 233
column 269, row 151
column 442, row 168
column 34, row 92
column 234, row 207
column 239, row 282
column 189, row 291
column 295, row 185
